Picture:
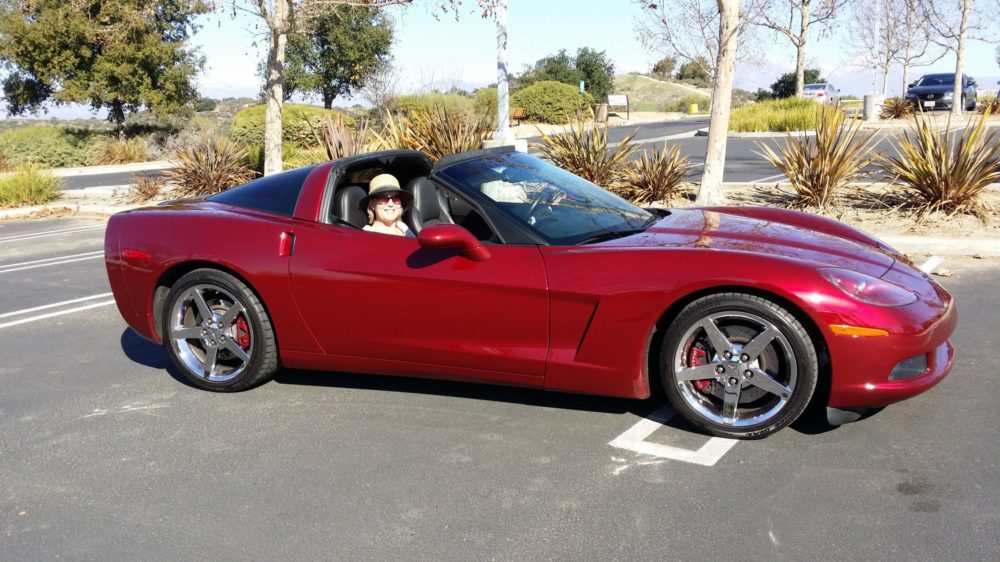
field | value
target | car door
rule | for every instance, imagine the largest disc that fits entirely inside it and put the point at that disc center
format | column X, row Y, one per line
column 364, row 294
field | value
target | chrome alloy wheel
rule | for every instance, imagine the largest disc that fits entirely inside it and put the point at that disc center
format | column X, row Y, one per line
column 211, row 333
column 735, row 368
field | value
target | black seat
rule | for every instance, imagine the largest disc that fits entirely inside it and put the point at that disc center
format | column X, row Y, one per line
column 347, row 205
column 427, row 208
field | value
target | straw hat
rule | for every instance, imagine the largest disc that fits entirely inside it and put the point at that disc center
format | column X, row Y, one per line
column 385, row 184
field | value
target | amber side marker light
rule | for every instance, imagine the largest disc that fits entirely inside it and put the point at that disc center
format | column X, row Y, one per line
column 845, row 330
column 133, row 254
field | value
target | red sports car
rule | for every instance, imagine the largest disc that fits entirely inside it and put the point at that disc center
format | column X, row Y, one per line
column 524, row 274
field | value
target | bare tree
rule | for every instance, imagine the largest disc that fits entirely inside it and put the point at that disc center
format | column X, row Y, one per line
column 801, row 15
column 915, row 37
column 382, row 85
column 877, row 30
column 710, row 192
column 689, row 29
column 950, row 23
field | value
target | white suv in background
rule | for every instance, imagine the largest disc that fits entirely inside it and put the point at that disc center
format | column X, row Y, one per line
column 822, row 93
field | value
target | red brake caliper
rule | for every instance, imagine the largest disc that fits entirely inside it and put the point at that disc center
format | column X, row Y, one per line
column 243, row 332
column 696, row 358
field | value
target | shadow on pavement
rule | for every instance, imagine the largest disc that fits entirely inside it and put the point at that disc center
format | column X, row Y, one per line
column 150, row 355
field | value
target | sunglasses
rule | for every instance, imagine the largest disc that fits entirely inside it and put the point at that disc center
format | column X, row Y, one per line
column 383, row 199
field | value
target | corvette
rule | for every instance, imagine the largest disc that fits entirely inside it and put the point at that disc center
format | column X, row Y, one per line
column 524, row 274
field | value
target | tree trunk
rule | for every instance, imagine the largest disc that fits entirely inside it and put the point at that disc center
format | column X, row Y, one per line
column 328, row 100
column 710, row 192
column 116, row 114
column 957, row 107
column 885, row 80
column 906, row 70
column 273, row 86
column 800, row 52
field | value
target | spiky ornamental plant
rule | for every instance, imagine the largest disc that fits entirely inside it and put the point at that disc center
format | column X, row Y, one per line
column 442, row 133
column 211, row 166
column 896, row 108
column 339, row 140
column 656, row 175
column 947, row 173
column 585, row 152
column 818, row 166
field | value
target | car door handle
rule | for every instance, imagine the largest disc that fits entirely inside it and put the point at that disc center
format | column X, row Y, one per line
column 286, row 243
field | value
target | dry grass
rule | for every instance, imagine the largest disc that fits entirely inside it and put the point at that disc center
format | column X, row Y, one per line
column 211, row 166
column 818, row 167
column 656, row 175
column 947, row 171
column 584, row 151
column 789, row 114
column 28, row 186
column 118, row 151
column 145, row 188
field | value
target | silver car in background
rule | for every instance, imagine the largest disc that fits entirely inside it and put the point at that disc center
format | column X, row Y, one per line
column 822, row 93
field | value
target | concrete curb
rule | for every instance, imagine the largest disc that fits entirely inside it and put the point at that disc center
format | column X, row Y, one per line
column 762, row 135
column 112, row 169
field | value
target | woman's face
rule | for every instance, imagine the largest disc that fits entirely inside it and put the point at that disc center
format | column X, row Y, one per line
column 388, row 209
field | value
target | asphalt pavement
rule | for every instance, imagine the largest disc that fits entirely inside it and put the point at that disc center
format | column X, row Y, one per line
column 106, row 455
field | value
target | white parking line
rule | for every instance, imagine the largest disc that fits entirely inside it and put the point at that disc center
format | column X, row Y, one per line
column 54, row 314
column 634, row 439
column 7, row 268
column 53, row 305
column 769, row 178
column 931, row 264
column 33, row 235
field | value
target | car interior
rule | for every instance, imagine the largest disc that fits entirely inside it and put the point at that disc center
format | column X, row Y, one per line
column 431, row 204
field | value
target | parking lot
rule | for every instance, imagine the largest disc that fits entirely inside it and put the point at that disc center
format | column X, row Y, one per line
column 106, row 455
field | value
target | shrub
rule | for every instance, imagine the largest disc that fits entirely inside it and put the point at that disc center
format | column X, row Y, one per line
column 947, row 173
column 896, row 108
column 205, row 104
column 485, row 100
column 145, row 188
column 818, row 167
column 45, row 146
column 584, row 151
column 990, row 105
column 4, row 164
column 30, row 185
column 792, row 114
column 551, row 102
column 118, row 151
column 656, row 174
column 682, row 105
column 248, row 124
column 696, row 69
column 664, row 68
column 211, row 166
column 454, row 103
column 442, row 133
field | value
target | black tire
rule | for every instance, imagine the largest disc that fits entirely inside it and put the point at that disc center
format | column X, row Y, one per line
column 752, row 396
column 242, row 349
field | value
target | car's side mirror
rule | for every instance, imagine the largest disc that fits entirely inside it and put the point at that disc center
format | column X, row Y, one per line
column 908, row 86
column 441, row 236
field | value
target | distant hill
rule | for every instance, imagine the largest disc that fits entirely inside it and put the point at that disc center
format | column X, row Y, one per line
column 649, row 94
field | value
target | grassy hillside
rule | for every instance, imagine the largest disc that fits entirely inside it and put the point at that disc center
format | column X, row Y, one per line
column 648, row 94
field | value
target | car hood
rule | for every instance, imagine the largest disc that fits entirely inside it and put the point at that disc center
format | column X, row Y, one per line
column 939, row 89
column 718, row 230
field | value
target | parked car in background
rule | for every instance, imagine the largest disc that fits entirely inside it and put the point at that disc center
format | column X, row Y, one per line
column 822, row 93
column 936, row 91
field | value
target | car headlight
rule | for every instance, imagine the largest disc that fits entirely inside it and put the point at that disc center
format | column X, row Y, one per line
column 867, row 289
column 949, row 95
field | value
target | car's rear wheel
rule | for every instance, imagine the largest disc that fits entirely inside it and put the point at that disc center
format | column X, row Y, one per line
column 218, row 333
column 738, row 365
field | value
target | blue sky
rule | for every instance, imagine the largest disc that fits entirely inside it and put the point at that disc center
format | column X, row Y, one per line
column 441, row 52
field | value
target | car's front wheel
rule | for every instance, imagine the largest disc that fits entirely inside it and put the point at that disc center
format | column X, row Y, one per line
column 218, row 333
column 738, row 365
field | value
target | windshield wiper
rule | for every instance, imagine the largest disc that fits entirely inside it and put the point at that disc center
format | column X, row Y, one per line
column 604, row 236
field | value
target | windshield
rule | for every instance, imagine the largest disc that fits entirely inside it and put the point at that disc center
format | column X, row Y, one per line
column 936, row 80
column 810, row 87
column 559, row 206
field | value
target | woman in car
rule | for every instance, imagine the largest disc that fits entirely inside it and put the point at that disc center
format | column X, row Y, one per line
column 386, row 203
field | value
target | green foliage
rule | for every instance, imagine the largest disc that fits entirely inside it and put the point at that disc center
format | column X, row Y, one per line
column 791, row 114
column 342, row 48
column 205, row 104
column 336, row 140
column 697, row 69
column 120, row 56
column 896, row 108
column 784, row 87
column 248, row 124
column 551, row 102
column 435, row 131
column 947, row 171
column 589, row 65
column 664, row 68
column 656, row 175
column 584, row 151
column 485, row 100
column 763, row 95
column 818, row 167
column 208, row 167
column 46, row 146
column 454, row 103
column 28, row 186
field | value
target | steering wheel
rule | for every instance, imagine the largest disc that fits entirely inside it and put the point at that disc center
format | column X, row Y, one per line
column 544, row 194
